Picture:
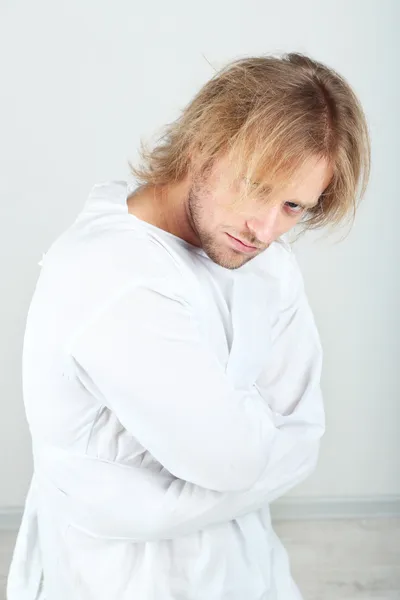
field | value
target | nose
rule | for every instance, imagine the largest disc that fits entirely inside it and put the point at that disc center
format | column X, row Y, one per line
column 266, row 228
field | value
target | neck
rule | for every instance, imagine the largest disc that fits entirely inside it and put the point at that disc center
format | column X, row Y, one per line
column 165, row 207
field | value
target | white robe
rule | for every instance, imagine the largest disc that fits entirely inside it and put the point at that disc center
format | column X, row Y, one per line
column 170, row 401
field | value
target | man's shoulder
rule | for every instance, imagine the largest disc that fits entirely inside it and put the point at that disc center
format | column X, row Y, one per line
column 279, row 264
column 277, row 259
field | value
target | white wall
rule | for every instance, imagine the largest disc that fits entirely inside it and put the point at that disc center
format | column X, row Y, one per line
column 82, row 81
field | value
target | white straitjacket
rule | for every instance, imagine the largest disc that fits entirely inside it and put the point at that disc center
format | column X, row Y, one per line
column 169, row 401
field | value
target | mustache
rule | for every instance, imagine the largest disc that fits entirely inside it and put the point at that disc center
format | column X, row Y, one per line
column 249, row 242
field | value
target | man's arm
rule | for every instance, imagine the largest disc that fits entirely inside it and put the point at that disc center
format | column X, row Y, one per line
column 229, row 452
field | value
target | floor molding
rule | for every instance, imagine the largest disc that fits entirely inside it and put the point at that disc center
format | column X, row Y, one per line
column 286, row 509
column 336, row 508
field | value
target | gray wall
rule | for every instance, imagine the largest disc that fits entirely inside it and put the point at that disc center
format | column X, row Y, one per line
column 81, row 82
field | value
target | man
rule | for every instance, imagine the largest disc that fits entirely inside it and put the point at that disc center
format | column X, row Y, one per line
column 171, row 361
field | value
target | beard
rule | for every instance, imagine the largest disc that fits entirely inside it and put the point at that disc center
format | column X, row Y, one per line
column 220, row 254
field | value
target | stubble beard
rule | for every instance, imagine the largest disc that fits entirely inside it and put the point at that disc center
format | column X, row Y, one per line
column 225, row 257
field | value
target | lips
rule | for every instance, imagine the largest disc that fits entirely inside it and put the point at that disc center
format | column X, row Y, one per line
column 244, row 243
column 241, row 246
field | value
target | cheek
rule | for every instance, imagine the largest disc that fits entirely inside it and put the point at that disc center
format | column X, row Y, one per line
column 287, row 223
column 219, row 209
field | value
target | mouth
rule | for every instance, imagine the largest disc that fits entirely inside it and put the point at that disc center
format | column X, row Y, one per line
column 241, row 246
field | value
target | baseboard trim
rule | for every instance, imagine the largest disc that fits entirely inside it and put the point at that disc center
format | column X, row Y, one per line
column 336, row 508
column 286, row 509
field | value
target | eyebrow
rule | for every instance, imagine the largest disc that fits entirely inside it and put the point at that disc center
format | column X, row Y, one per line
column 304, row 204
column 268, row 188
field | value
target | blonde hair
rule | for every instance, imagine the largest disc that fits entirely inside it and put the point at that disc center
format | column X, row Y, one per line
column 270, row 114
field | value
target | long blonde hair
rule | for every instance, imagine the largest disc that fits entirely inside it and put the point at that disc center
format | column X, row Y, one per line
column 270, row 114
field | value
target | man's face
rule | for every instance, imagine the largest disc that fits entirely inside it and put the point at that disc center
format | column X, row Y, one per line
column 233, row 232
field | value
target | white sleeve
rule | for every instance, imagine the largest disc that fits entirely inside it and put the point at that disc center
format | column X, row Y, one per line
column 290, row 381
column 290, row 385
column 192, row 421
column 152, row 368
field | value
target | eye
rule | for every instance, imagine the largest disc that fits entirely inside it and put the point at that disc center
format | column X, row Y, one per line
column 295, row 208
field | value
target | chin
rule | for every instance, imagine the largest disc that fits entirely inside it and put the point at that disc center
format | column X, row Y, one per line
column 227, row 258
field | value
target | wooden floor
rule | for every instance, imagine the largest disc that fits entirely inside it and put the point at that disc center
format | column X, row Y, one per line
column 331, row 560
